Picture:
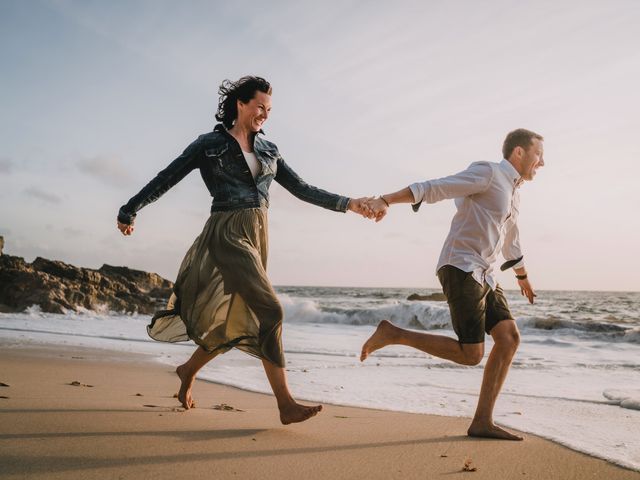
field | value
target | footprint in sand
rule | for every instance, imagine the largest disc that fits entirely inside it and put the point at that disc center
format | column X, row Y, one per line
column 76, row 383
column 468, row 466
column 167, row 409
column 226, row 408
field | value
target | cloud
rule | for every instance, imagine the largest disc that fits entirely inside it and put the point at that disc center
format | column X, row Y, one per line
column 106, row 169
column 35, row 192
column 6, row 165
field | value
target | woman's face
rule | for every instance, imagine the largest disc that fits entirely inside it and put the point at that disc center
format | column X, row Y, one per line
column 253, row 114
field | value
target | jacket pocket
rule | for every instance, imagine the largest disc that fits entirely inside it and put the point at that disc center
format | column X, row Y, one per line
column 215, row 155
column 271, row 164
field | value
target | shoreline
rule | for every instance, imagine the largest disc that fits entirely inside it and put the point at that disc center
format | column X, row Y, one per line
column 55, row 430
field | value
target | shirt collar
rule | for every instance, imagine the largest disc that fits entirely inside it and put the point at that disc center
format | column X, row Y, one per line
column 257, row 141
column 511, row 172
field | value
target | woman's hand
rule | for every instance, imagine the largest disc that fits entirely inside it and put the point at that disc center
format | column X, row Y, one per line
column 361, row 207
column 125, row 229
column 378, row 207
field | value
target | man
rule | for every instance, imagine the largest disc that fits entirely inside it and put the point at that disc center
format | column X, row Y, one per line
column 487, row 199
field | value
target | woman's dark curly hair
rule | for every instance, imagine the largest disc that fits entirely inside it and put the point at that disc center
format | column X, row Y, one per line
column 244, row 90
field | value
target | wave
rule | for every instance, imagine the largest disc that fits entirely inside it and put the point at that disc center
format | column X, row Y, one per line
column 626, row 399
column 594, row 329
column 556, row 323
column 421, row 316
column 435, row 315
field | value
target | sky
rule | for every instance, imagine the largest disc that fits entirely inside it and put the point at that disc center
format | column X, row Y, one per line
column 96, row 97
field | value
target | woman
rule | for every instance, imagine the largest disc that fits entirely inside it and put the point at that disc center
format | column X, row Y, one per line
column 222, row 297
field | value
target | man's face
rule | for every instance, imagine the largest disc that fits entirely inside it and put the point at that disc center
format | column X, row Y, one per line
column 532, row 159
column 253, row 114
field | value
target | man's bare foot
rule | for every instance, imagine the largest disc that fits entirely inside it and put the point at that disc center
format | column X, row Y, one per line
column 295, row 413
column 186, row 382
column 491, row 431
column 381, row 338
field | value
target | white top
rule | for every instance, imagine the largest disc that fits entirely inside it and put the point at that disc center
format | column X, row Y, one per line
column 254, row 164
column 486, row 196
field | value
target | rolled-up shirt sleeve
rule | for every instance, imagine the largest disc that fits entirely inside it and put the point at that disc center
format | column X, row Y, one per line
column 511, row 247
column 475, row 179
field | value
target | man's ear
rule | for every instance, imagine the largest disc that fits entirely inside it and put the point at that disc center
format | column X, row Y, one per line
column 519, row 151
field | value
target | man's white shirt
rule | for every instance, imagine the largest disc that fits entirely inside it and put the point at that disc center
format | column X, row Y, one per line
column 486, row 196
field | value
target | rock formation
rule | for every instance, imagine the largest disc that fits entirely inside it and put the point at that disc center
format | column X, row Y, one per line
column 434, row 297
column 57, row 287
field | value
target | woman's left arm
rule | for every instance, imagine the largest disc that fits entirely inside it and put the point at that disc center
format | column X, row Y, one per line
column 290, row 180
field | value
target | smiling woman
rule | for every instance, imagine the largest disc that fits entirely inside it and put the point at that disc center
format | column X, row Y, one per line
column 222, row 296
column 244, row 90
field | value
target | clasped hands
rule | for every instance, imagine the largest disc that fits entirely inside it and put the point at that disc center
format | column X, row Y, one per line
column 374, row 208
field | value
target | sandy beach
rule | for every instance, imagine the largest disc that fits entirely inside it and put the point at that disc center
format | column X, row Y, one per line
column 122, row 421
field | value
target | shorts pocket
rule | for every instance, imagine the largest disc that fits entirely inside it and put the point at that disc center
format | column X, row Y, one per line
column 455, row 282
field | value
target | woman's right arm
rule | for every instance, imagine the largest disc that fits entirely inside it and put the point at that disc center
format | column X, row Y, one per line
column 167, row 178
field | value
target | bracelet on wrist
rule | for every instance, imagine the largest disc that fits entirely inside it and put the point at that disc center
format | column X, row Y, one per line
column 521, row 277
column 381, row 197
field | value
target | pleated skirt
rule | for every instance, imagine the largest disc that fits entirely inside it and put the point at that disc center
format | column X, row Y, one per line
column 222, row 297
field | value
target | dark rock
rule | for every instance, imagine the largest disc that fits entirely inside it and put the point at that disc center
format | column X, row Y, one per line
column 57, row 287
column 433, row 297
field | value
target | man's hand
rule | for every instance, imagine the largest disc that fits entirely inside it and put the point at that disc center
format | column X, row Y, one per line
column 526, row 289
column 125, row 229
column 361, row 207
column 379, row 208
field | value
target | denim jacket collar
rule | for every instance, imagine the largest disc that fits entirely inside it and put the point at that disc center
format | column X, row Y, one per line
column 221, row 128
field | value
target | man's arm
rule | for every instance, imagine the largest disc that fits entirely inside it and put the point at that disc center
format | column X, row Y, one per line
column 474, row 179
column 525, row 286
column 380, row 205
column 511, row 251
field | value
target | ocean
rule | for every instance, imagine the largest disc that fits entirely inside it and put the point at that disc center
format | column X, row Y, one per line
column 574, row 380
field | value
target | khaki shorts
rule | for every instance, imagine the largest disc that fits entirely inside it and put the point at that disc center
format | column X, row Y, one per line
column 475, row 309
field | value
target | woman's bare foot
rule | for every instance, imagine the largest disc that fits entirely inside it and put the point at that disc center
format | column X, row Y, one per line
column 382, row 337
column 295, row 413
column 491, row 431
column 186, row 382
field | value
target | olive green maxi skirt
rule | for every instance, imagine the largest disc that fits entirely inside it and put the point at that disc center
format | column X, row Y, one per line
column 222, row 297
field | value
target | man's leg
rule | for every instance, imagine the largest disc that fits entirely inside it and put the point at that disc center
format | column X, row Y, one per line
column 187, row 373
column 437, row 345
column 290, row 410
column 467, row 304
column 507, row 338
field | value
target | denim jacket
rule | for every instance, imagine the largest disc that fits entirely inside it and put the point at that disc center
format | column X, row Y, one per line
column 227, row 176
